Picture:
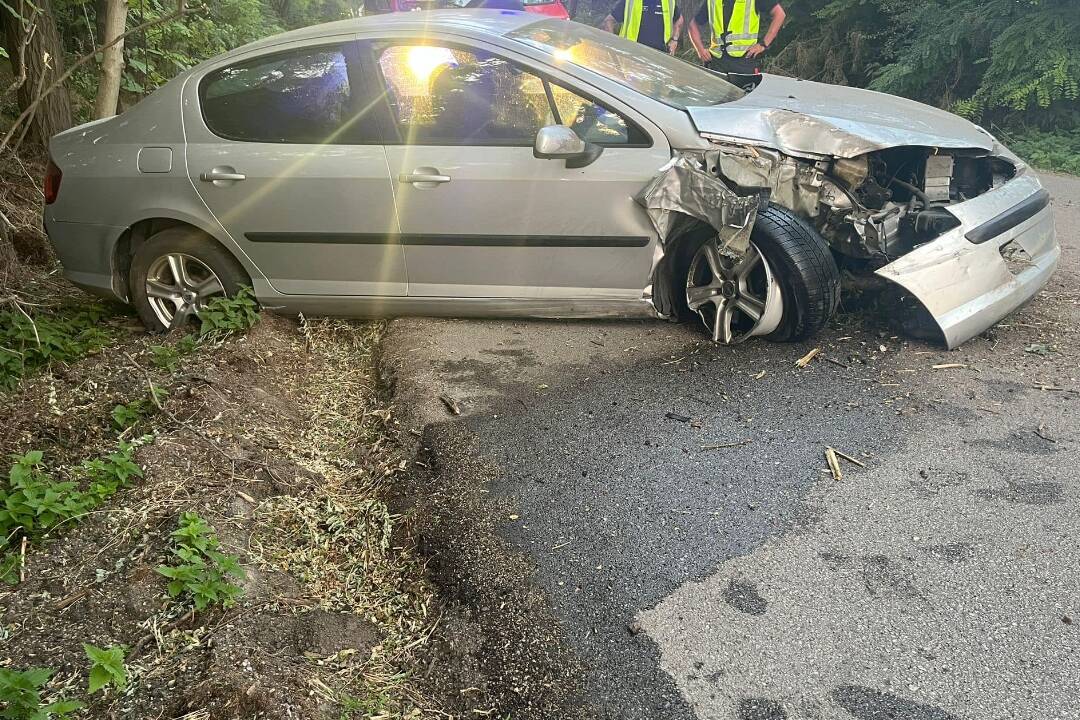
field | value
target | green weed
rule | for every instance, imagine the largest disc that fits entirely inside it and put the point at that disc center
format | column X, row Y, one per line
column 106, row 667
column 203, row 572
column 167, row 357
column 224, row 316
column 1058, row 151
column 129, row 414
column 32, row 503
column 20, row 696
column 27, row 345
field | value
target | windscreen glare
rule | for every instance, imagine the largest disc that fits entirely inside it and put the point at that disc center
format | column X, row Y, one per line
column 647, row 71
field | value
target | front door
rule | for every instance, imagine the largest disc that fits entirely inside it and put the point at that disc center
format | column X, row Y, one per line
column 276, row 148
column 479, row 215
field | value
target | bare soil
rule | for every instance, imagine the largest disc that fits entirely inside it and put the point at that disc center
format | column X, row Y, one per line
column 281, row 440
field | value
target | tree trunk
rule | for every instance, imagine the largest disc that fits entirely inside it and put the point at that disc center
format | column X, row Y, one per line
column 43, row 62
column 112, row 60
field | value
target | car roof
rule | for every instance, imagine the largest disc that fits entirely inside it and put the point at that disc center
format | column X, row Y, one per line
column 483, row 22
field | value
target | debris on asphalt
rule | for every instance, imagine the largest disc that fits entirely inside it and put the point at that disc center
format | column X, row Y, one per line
column 1050, row 387
column 828, row 359
column 805, row 359
column 1040, row 432
column 850, row 459
column 760, row 375
column 834, row 464
column 451, row 404
column 677, row 417
column 721, row 446
column 514, row 517
column 948, row 366
column 1038, row 349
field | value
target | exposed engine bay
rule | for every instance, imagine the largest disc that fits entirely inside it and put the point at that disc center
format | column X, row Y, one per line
column 909, row 215
column 875, row 207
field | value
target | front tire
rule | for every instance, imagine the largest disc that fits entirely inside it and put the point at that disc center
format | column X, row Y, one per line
column 785, row 288
column 175, row 273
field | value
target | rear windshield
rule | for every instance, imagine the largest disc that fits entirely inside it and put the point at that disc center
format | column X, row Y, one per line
column 640, row 68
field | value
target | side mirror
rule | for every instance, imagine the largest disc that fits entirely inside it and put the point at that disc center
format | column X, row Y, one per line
column 558, row 142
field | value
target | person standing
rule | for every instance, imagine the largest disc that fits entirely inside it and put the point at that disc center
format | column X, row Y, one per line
column 737, row 43
column 656, row 23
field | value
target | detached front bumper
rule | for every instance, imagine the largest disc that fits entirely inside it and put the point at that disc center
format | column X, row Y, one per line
column 968, row 286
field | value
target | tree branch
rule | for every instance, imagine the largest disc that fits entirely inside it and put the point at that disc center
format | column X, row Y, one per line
column 29, row 111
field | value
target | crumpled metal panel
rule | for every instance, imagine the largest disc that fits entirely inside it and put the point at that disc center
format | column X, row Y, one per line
column 686, row 187
column 795, row 185
column 800, row 117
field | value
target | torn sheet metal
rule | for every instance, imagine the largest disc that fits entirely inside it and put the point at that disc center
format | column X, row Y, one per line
column 686, row 187
column 792, row 183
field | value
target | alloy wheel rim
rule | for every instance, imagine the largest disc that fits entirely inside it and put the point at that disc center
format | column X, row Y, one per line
column 736, row 296
column 178, row 286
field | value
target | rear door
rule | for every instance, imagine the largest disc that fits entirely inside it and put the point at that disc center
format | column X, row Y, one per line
column 281, row 150
column 479, row 215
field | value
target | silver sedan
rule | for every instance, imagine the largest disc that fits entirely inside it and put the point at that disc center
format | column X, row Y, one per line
column 497, row 163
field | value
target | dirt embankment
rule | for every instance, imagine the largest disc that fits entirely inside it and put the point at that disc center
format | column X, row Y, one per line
column 279, row 439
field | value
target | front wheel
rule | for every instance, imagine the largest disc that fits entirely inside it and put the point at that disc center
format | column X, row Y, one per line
column 175, row 273
column 786, row 286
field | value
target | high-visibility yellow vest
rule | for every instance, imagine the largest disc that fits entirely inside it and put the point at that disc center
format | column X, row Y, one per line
column 631, row 19
column 742, row 29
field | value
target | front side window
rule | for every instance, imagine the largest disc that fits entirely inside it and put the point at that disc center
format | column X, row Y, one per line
column 592, row 121
column 299, row 97
column 449, row 96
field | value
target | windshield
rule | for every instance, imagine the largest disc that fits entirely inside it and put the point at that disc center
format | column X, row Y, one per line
column 640, row 68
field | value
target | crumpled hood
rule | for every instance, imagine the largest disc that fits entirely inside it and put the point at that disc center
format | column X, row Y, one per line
column 803, row 117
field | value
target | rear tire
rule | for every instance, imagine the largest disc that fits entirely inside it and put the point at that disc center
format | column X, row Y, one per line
column 800, row 261
column 165, row 302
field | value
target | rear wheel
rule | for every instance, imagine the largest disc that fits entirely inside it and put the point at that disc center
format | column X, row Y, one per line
column 784, row 288
column 176, row 273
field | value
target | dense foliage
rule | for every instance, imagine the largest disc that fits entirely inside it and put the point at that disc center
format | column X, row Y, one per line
column 206, row 29
column 1011, row 65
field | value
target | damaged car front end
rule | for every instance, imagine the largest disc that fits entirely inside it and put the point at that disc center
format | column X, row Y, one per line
column 913, row 195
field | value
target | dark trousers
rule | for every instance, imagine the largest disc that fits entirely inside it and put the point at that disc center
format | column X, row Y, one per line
column 735, row 65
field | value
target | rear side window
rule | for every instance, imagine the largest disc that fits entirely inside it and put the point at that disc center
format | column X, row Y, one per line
column 298, row 97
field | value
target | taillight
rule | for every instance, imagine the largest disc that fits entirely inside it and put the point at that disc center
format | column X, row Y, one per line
column 53, row 176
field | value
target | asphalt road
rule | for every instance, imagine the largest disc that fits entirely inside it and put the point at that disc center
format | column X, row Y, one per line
column 672, row 499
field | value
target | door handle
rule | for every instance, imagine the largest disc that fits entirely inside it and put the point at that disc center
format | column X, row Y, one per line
column 222, row 173
column 423, row 178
